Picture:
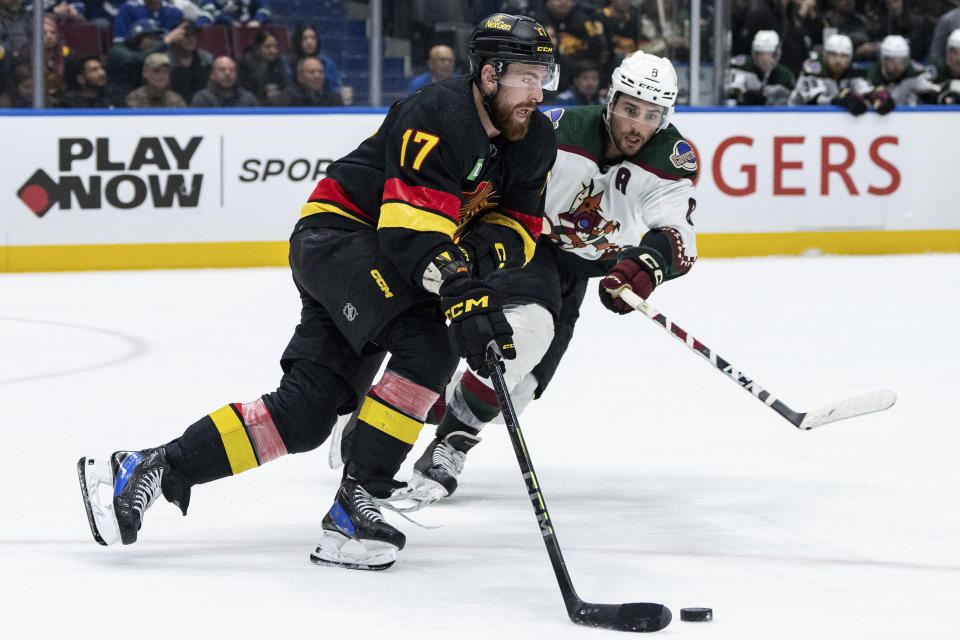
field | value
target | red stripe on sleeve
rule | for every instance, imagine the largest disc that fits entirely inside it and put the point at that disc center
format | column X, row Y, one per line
column 425, row 197
column 534, row 224
column 329, row 190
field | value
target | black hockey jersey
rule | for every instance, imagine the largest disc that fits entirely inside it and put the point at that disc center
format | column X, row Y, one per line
column 431, row 172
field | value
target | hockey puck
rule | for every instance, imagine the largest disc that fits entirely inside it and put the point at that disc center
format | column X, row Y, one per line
column 696, row 614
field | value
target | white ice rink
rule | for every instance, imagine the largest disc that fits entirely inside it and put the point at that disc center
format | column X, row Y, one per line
column 666, row 482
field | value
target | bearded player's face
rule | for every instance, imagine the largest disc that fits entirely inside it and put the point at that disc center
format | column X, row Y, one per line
column 520, row 91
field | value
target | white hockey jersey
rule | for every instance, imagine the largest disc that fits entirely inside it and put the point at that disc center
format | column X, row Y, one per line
column 595, row 210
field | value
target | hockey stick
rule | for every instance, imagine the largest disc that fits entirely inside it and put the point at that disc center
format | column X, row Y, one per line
column 632, row 616
column 849, row 408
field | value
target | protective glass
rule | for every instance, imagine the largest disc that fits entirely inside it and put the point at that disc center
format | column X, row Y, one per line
column 645, row 113
column 529, row 75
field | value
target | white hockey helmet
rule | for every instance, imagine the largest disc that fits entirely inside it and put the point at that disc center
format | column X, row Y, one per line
column 645, row 77
column 839, row 43
column 894, row 46
column 766, row 41
column 953, row 42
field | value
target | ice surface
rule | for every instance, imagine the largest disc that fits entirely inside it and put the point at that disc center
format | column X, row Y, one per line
column 665, row 481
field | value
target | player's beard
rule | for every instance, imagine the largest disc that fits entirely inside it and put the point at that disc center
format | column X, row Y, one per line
column 503, row 119
column 620, row 128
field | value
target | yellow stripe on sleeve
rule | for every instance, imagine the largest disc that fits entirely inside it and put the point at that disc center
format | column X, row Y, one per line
column 390, row 421
column 399, row 214
column 529, row 244
column 311, row 208
column 235, row 440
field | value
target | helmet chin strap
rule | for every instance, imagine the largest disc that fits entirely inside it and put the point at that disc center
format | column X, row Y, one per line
column 484, row 98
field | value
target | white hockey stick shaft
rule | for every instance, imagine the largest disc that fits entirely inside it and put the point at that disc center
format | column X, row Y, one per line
column 849, row 408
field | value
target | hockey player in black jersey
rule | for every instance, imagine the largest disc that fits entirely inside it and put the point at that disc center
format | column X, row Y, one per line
column 398, row 235
column 619, row 202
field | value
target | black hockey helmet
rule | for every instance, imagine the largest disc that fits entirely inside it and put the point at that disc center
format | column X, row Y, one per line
column 503, row 38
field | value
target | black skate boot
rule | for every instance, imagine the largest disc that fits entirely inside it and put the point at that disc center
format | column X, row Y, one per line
column 134, row 478
column 437, row 471
column 355, row 535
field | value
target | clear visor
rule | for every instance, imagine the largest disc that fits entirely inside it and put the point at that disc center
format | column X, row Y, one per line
column 528, row 75
column 640, row 111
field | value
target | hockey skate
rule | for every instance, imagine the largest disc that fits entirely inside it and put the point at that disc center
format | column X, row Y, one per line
column 117, row 491
column 355, row 535
column 437, row 472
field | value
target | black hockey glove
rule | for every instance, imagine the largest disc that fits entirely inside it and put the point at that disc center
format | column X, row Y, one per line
column 948, row 96
column 850, row 101
column 476, row 317
column 753, row 98
column 491, row 247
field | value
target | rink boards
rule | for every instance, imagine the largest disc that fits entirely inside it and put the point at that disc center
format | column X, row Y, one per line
column 212, row 188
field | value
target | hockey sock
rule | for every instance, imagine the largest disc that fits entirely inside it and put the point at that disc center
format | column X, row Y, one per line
column 228, row 441
column 388, row 424
column 474, row 404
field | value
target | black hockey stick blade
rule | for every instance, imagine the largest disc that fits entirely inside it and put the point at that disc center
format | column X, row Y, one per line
column 633, row 616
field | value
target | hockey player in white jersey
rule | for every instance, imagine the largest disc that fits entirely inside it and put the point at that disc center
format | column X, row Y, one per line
column 833, row 80
column 759, row 79
column 620, row 200
column 904, row 81
column 947, row 71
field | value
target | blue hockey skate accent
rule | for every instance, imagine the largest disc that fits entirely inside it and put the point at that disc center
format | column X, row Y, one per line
column 125, row 471
column 341, row 519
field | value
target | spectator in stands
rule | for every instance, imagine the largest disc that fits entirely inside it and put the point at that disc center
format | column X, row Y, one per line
column 165, row 15
column 248, row 13
column 948, row 71
column 579, row 36
column 308, row 90
column 834, row 80
column 102, row 13
column 585, row 88
column 55, row 54
column 64, row 11
column 155, row 91
column 222, row 90
column 892, row 17
column 797, row 23
column 15, row 27
column 191, row 65
column 663, row 30
column 898, row 79
column 842, row 17
column 87, row 85
column 125, row 60
column 20, row 93
column 621, row 28
column 760, row 79
column 305, row 43
column 948, row 23
column 441, row 64
column 262, row 71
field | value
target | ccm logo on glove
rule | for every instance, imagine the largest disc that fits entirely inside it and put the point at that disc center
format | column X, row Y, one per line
column 639, row 272
column 467, row 306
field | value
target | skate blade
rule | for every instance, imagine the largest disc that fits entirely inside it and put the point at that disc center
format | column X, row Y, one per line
column 337, row 550
column 96, row 475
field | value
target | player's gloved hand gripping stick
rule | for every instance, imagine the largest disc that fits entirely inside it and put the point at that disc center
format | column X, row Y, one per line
column 632, row 616
column 849, row 408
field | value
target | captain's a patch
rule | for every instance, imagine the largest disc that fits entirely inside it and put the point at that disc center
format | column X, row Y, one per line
column 683, row 156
